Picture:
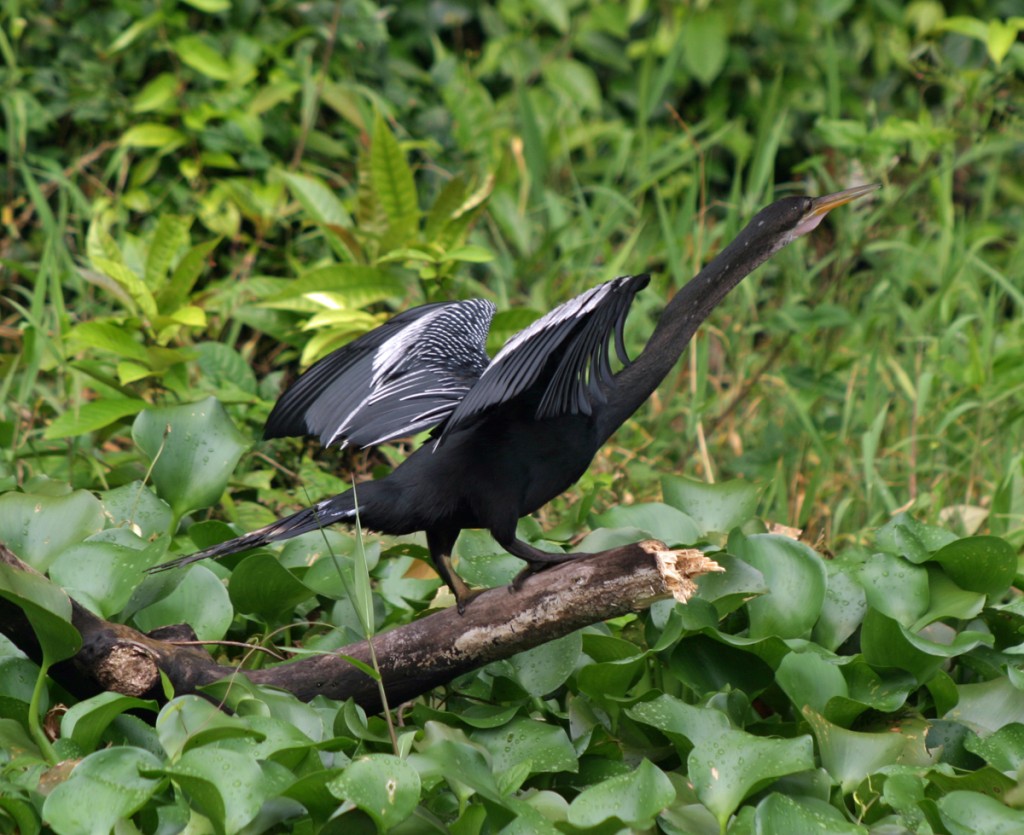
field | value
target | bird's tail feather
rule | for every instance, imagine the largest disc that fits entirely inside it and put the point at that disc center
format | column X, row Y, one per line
column 337, row 509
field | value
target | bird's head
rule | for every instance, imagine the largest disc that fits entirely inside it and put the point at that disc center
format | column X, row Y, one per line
column 787, row 219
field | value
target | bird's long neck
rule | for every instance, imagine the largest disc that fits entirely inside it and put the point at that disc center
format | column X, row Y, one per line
column 678, row 323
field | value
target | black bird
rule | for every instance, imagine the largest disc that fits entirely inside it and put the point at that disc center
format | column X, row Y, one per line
column 511, row 433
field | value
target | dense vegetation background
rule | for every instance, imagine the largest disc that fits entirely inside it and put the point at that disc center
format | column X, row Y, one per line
column 199, row 198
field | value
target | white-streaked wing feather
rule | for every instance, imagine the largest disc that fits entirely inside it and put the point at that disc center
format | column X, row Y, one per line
column 566, row 351
column 401, row 378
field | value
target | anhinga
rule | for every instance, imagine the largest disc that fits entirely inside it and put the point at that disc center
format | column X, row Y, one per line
column 511, row 433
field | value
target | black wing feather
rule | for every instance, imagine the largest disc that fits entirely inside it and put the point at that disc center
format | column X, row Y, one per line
column 403, row 377
column 566, row 351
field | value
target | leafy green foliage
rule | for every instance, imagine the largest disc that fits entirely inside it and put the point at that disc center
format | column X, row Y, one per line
column 256, row 185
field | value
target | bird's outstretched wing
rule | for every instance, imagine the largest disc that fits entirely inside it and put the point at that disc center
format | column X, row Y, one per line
column 566, row 352
column 405, row 376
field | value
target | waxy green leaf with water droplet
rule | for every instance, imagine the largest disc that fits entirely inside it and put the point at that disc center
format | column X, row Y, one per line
column 635, row 799
column 726, row 769
column 714, row 508
column 194, row 449
column 106, row 787
column 384, row 786
column 39, row 528
column 796, row 579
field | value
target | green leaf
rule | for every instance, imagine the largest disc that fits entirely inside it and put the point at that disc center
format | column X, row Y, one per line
column 705, row 45
column 969, row 812
column 86, row 721
column 850, row 756
column 203, row 58
column 728, row 768
column 102, row 572
column 47, row 608
column 470, row 254
column 384, row 786
column 1003, row 749
column 137, row 508
column 674, row 716
column 985, row 564
column 260, row 585
column 168, row 239
column 810, row 680
column 989, row 705
column 352, row 285
column 393, row 183
column 199, row 599
column 714, row 507
column 39, row 528
column 896, row 588
column 153, row 135
column 157, row 93
column 317, row 198
column 540, row 746
column 105, row 787
column 228, row 787
column 176, row 291
column 780, row 813
column 92, row 416
column 133, row 285
column 796, row 579
column 843, row 608
column 671, row 526
column 109, row 336
column 635, row 799
column 194, row 449
column 546, row 667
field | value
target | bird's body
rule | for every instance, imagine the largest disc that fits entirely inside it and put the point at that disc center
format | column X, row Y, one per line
column 510, row 433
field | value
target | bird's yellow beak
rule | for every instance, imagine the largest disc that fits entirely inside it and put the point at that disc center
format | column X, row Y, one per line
column 824, row 205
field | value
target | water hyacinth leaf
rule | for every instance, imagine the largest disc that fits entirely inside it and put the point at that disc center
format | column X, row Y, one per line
column 989, row 705
column 948, row 600
column 850, row 756
column 39, row 528
column 86, row 721
column 730, row 589
column 726, row 769
column 796, row 578
column 674, row 716
column 545, row 668
column 200, row 600
column 189, row 722
column 985, row 564
column 707, row 666
column 228, row 787
column 260, row 585
column 660, row 521
column 92, row 416
column 714, row 507
column 894, row 587
column 544, row 747
column 905, row 536
column 1003, row 750
column 970, row 812
column 136, row 507
column 885, row 644
column 810, row 680
column 635, row 799
column 194, row 449
column 105, row 572
column 781, row 813
column 384, row 786
column 106, row 787
column 843, row 609
column 47, row 608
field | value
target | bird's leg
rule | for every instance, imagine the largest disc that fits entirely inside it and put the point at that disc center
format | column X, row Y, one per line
column 440, row 555
column 535, row 559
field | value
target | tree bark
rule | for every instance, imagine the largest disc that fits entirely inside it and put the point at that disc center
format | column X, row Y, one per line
column 412, row 659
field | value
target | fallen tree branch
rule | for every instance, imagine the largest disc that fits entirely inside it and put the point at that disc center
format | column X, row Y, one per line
column 413, row 659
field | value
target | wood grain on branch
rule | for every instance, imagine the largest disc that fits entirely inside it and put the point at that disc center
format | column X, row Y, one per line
column 412, row 659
